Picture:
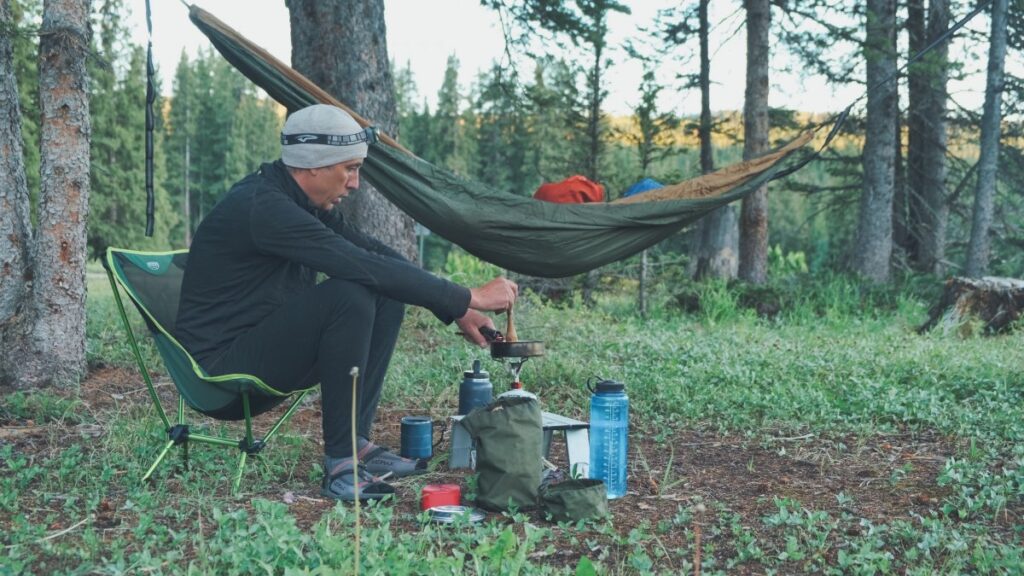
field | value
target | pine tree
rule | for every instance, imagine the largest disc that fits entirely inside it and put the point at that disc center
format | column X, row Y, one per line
column 414, row 125
column 349, row 59
column 446, row 118
column 981, row 224
column 502, row 139
column 179, row 141
column 25, row 16
column 43, row 343
column 873, row 252
column 556, row 120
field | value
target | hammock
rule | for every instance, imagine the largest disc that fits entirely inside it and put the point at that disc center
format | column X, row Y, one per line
column 514, row 232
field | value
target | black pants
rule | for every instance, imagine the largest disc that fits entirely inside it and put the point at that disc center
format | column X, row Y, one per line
column 318, row 336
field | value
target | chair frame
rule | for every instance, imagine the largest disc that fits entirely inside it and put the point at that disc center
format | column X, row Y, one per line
column 178, row 432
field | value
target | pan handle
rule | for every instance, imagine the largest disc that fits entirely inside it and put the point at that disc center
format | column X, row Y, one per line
column 491, row 335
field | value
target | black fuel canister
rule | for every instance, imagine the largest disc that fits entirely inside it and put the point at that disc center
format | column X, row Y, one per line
column 476, row 389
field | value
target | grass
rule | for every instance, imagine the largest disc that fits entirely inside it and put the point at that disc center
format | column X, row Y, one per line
column 839, row 365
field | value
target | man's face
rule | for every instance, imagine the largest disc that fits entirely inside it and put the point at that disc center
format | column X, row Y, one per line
column 332, row 183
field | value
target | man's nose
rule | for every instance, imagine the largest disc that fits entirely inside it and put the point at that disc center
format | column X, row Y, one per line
column 353, row 181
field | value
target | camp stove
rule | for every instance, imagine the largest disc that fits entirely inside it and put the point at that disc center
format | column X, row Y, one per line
column 515, row 354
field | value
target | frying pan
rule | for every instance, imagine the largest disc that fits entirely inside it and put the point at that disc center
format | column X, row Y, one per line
column 519, row 349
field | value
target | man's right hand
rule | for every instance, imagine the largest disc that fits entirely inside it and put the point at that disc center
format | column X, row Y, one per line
column 470, row 325
column 497, row 295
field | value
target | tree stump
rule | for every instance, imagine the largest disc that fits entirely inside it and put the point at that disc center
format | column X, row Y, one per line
column 996, row 302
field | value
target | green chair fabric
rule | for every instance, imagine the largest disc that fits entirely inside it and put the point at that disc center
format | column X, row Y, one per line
column 152, row 281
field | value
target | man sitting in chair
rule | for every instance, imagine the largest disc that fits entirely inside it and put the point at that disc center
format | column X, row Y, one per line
column 250, row 302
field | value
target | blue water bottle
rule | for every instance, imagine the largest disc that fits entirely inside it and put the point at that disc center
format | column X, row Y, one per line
column 476, row 389
column 609, row 425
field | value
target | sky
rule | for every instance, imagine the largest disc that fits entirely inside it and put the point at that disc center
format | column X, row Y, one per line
column 424, row 33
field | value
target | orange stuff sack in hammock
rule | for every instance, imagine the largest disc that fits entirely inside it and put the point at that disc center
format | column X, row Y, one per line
column 573, row 190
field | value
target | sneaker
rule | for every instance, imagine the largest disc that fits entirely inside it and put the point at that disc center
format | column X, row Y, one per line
column 339, row 484
column 381, row 461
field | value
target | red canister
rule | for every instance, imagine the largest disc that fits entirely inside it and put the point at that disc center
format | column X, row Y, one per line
column 440, row 495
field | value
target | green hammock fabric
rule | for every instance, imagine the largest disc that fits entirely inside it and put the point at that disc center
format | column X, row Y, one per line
column 517, row 233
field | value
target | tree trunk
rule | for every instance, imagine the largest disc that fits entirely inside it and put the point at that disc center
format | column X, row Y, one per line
column 340, row 45
column 910, row 205
column 874, row 232
column 900, row 232
column 753, row 240
column 928, row 138
column 15, row 224
column 47, row 345
column 978, row 250
column 716, row 237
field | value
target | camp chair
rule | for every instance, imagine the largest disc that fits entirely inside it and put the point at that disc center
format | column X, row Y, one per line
column 152, row 280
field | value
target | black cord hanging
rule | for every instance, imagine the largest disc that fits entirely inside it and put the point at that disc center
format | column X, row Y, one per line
column 150, row 97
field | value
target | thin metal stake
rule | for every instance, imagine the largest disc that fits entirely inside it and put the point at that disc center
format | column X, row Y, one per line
column 355, row 462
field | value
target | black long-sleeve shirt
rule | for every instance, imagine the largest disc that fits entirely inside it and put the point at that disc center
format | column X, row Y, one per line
column 265, row 241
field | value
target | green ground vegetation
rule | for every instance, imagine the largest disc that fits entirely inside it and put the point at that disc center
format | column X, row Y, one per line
column 840, row 363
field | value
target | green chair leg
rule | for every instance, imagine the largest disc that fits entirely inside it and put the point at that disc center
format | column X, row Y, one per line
column 238, row 475
column 159, row 459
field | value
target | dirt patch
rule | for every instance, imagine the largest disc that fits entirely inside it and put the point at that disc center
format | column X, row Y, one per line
column 878, row 478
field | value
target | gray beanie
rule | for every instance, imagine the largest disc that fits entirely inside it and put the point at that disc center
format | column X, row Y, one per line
column 323, row 135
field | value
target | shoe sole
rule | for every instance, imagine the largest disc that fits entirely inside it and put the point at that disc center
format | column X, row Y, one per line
column 362, row 496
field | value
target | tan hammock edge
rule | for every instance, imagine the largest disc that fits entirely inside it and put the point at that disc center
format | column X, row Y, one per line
column 514, row 232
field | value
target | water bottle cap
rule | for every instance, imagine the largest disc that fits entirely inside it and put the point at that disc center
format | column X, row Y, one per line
column 609, row 387
column 476, row 372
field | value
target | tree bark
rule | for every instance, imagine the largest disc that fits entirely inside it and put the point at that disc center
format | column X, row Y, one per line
column 978, row 249
column 47, row 340
column 995, row 302
column 753, row 234
column 909, row 205
column 874, row 231
column 716, row 238
column 928, row 138
column 15, row 224
column 341, row 46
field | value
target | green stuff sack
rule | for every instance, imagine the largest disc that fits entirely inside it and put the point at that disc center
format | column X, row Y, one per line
column 509, row 436
column 574, row 500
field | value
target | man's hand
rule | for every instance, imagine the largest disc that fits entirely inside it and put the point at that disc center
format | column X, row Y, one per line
column 470, row 325
column 496, row 295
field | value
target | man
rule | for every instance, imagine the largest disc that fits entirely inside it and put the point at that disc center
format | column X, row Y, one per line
column 250, row 302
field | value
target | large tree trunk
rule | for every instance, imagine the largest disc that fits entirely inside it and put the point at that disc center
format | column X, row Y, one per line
column 753, row 242
column 909, row 204
column 15, row 225
column 978, row 250
column 47, row 339
column 928, row 138
column 341, row 46
column 900, row 212
column 874, row 232
column 716, row 238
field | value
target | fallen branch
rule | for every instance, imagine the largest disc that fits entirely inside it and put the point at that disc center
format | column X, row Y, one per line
column 7, row 432
column 57, row 534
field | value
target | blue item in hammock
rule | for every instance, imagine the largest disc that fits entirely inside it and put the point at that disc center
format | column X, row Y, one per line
column 642, row 186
